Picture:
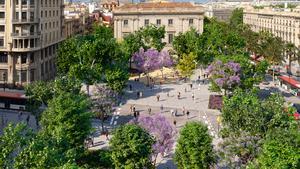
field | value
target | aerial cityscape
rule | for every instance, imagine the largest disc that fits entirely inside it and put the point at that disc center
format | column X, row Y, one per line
column 149, row 84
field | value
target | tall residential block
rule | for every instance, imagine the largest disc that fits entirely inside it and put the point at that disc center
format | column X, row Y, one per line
column 30, row 31
column 174, row 16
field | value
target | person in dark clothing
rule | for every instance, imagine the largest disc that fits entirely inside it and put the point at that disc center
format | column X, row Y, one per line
column 134, row 114
column 130, row 87
column 187, row 114
column 174, row 122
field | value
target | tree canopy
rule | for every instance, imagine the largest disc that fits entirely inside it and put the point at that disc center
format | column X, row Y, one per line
column 194, row 147
column 131, row 147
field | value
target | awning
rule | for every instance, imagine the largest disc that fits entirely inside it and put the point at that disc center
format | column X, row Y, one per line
column 290, row 81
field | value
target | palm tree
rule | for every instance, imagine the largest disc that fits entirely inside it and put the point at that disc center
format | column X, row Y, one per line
column 271, row 48
column 292, row 53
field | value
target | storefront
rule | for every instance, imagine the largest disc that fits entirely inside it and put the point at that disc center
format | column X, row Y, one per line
column 289, row 84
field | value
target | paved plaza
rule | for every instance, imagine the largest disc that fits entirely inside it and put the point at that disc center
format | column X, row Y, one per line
column 168, row 99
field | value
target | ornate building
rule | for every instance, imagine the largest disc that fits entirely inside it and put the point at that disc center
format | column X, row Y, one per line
column 176, row 17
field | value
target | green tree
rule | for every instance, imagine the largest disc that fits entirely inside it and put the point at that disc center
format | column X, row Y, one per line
column 185, row 43
column 131, row 147
column 67, row 118
column 187, row 64
column 236, row 18
column 44, row 152
column 246, row 120
column 95, row 55
column 293, row 54
column 13, row 141
column 281, row 149
column 152, row 36
column 271, row 48
column 194, row 147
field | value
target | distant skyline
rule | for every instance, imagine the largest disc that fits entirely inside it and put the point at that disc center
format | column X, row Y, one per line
column 198, row 1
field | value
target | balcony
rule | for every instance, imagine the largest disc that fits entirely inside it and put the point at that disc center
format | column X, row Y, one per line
column 26, row 35
column 31, row 6
column 2, row 6
column 29, row 49
column 25, row 21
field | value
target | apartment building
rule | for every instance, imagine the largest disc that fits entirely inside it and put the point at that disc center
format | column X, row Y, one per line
column 176, row 17
column 30, row 31
column 282, row 23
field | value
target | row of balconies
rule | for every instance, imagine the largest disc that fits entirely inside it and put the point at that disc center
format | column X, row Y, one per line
column 25, row 6
column 28, row 20
column 29, row 34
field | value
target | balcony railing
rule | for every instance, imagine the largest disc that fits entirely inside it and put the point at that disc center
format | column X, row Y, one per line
column 29, row 34
column 29, row 20
column 2, row 6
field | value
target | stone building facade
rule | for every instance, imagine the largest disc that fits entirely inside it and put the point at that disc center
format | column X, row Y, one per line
column 30, row 31
column 176, row 17
column 284, row 24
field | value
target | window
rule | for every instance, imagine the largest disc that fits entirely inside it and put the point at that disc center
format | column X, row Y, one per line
column 31, row 57
column 42, row 69
column 191, row 21
column 170, row 22
column 2, row 28
column 17, row 15
column 146, row 22
column 23, row 58
column 170, row 38
column 32, row 75
column 2, row 2
column 1, row 42
column 31, row 16
column 24, row 15
column 24, row 2
column 24, row 76
column 42, row 12
column 3, row 74
column 32, row 2
column 125, row 23
column 2, row 15
column 3, row 57
column 158, row 22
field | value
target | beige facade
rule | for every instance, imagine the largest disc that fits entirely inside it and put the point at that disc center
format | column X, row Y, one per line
column 284, row 24
column 176, row 17
column 30, row 31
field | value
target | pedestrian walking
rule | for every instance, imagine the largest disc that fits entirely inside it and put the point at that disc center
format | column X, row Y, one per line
column 168, row 95
column 141, row 94
column 134, row 114
column 187, row 114
column 172, row 112
column 106, row 135
column 178, row 96
column 157, row 97
column 19, row 115
column 174, row 122
column 130, row 87
column 149, row 110
column 161, row 108
column 193, row 96
column 137, row 113
column 27, row 119
column 131, row 108
column 137, row 94
column 191, row 85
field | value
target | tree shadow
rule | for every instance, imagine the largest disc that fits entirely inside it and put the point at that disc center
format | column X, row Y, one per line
column 169, row 164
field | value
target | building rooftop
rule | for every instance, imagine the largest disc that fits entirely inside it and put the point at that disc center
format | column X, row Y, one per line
column 274, row 11
column 159, row 7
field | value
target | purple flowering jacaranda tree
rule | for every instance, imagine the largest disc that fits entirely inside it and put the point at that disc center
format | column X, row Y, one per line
column 152, row 59
column 165, row 60
column 163, row 132
column 224, row 75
